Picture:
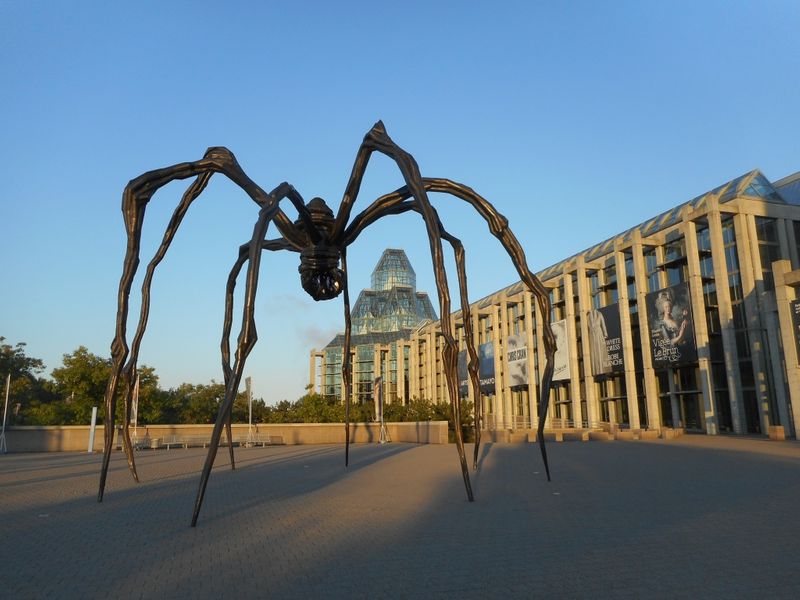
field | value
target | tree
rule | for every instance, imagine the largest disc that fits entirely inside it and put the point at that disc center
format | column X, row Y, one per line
column 13, row 360
column 443, row 412
column 198, row 403
column 81, row 384
column 28, row 397
column 155, row 405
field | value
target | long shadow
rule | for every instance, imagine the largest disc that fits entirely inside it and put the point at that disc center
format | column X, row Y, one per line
column 249, row 462
column 326, row 463
column 268, row 530
column 28, row 462
column 156, row 515
column 610, row 505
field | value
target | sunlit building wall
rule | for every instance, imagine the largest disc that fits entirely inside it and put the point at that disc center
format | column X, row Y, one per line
column 690, row 320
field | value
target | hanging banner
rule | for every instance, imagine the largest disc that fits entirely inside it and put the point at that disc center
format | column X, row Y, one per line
column 463, row 374
column 135, row 406
column 561, row 367
column 486, row 367
column 517, row 359
column 794, row 307
column 605, row 341
column 669, row 313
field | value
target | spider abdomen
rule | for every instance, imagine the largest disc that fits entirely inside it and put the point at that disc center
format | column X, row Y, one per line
column 320, row 274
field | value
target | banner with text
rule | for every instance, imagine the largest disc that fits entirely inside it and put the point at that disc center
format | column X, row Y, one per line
column 517, row 359
column 605, row 341
column 561, row 367
column 669, row 313
column 463, row 374
column 486, row 367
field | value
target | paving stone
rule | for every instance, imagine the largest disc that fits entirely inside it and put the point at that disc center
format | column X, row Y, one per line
column 712, row 517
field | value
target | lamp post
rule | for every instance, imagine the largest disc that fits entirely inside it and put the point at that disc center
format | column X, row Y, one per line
column 3, row 445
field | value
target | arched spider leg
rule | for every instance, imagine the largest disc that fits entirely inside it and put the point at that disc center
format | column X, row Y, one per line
column 347, row 370
column 135, row 198
column 397, row 202
column 498, row 225
column 284, row 190
column 128, row 372
column 378, row 140
column 225, row 347
column 247, row 339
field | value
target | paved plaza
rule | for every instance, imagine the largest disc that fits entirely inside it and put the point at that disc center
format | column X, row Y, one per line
column 697, row 517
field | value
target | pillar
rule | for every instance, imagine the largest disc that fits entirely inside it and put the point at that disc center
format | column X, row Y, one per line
column 627, row 340
column 710, row 422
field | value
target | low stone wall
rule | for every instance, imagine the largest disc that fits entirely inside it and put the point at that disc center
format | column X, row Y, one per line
column 75, row 438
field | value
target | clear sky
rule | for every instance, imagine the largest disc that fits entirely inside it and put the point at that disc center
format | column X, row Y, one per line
column 577, row 120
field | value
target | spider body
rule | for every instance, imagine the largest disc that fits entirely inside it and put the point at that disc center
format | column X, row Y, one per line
column 320, row 274
column 321, row 238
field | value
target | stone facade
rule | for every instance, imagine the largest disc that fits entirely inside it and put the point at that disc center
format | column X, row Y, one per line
column 697, row 305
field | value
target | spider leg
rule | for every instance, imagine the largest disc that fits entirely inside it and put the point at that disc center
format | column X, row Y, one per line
column 135, row 198
column 466, row 317
column 284, row 190
column 378, row 140
column 397, row 202
column 247, row 339
column 244, row 254
column 346, row 362
column 133, row 204
column 498, row 225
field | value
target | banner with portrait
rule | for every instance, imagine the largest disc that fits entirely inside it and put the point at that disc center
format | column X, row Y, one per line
column 669, row 314
column 486, row 367
column 517, row 359
column 561, row 366
column 605, row 341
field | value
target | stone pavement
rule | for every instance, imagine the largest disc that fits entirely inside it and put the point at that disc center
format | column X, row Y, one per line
column 698, row 517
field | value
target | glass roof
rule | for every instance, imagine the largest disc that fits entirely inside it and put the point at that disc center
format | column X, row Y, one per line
column 392, row 307
column 749, row 185
column 393, row 269
column 369, row 339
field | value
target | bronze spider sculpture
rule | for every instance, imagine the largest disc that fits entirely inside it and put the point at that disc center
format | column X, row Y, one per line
column 321, row 239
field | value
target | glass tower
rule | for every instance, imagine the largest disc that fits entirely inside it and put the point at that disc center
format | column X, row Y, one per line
column 383, row 318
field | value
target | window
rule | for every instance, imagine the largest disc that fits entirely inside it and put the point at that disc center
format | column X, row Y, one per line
column 769, row 248
column 651, row 266
column 796, row 225
column 740, row 325
column 675, row 261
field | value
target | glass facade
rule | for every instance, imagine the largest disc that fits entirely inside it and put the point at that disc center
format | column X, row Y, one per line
column 382, row 320
column 393, row 303
column 393, row 270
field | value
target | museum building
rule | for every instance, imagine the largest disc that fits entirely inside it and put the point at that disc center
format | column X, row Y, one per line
column 690, row 320
column 382, row 321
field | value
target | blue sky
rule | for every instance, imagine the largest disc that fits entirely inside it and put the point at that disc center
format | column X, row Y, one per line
column 577, row 120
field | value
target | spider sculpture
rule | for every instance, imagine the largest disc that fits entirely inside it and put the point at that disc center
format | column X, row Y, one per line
column 321, row 239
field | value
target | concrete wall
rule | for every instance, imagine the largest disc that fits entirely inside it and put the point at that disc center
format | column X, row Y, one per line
column 72, row 438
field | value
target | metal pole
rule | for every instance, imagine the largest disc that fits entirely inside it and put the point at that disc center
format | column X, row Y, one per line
column 92, row 429
column 248, row 383
column 136, row 407
column 384, row 436
column 3, row 445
